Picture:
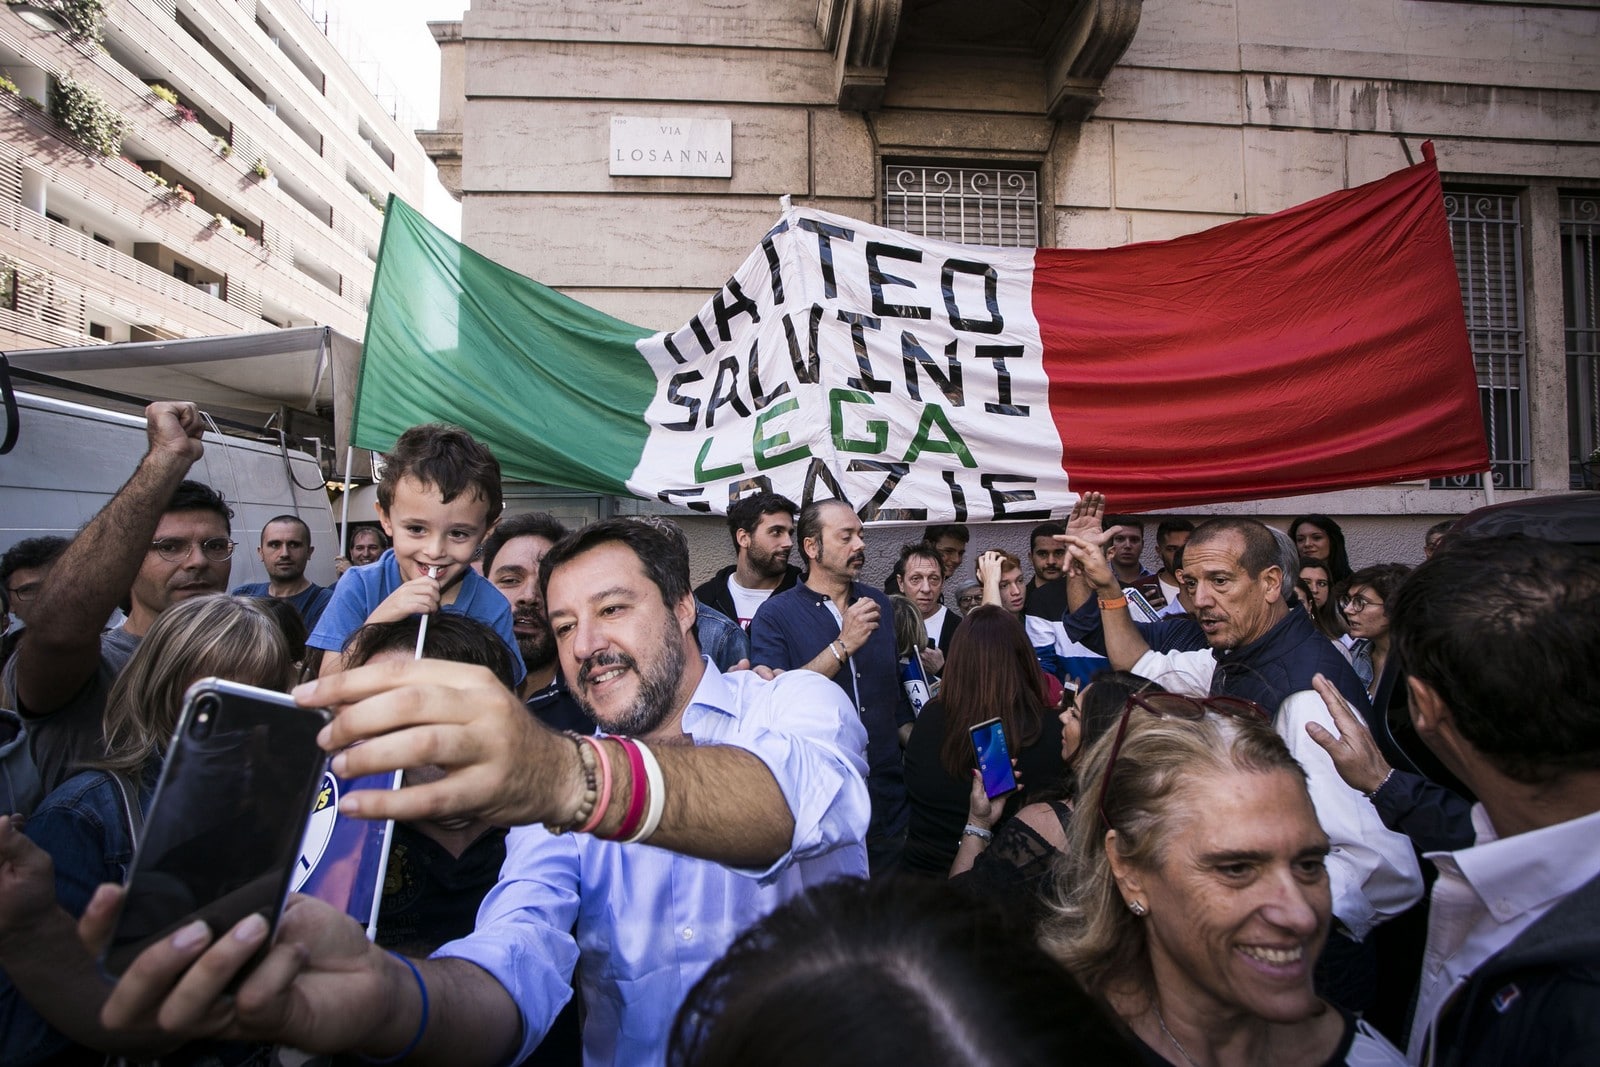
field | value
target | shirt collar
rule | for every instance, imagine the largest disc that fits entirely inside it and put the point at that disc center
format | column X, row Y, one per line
column 714, row 695
column 857, row 591
column 1523, row 872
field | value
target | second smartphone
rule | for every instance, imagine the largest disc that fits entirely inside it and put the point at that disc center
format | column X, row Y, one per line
column 994, row 758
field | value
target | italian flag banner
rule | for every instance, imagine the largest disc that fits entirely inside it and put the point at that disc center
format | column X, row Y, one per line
column 1319, row 348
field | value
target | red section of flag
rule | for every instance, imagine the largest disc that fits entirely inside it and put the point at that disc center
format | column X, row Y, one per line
column 1320, row 348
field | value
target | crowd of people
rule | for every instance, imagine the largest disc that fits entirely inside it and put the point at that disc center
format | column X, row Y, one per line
column 1271, row 808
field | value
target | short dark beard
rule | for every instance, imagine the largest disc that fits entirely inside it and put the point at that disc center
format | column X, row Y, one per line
column 766, row 564
column 658, row 687
column 538, row 650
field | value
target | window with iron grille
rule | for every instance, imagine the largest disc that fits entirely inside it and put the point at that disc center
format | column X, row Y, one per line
column 1580, row 273
column 1486, row 233
column 972, row 205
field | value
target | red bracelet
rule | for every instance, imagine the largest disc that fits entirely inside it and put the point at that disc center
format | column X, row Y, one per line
column 641, row 791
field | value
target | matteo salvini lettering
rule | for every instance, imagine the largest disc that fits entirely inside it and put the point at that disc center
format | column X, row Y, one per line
column 903, row 376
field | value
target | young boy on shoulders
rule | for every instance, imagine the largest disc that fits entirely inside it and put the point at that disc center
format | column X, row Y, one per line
column 438, row 498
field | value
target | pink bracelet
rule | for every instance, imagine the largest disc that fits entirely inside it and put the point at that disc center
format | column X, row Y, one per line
column 605, row 786
column 641, row 791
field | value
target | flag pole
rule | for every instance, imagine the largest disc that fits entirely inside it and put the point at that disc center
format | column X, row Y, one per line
column 344, row 504
column 1488, row 486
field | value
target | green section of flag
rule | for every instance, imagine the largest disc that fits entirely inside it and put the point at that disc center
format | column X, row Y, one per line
column 554, row 388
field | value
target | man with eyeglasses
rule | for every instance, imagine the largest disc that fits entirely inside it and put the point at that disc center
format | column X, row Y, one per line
column 160, row 540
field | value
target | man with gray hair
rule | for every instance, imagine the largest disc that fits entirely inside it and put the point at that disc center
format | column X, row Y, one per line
column 1264, row 647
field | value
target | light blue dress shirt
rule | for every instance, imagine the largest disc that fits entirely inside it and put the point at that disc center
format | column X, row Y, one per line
column 647, row 922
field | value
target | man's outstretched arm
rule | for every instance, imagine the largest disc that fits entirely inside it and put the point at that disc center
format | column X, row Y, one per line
column 62, row 650
column 722, row 802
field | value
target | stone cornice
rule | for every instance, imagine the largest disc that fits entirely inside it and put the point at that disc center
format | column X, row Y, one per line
column 1079, row 41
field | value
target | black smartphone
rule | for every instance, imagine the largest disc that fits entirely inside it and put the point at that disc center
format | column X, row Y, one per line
column 994, row 758
column 227, row 817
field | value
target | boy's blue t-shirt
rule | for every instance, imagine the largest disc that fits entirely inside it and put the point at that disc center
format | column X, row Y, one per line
column 362, row 589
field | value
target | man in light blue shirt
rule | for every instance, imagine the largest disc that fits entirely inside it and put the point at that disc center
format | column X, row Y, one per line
column 761, row 794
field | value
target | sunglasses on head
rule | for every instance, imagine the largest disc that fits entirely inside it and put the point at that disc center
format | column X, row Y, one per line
column 1173, row 706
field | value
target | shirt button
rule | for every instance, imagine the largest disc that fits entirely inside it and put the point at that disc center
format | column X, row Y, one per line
column 687, row 933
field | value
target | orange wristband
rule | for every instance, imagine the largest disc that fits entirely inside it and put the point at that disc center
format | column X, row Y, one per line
column 1109, row 605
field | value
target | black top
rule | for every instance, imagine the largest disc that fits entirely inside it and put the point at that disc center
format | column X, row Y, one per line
column 1017, row 872
column 557, row 709
column 939, row 802
column 1047, row 601
column 1341, row 1053
column 430, row 896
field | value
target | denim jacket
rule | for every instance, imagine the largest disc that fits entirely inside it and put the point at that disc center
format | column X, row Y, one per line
column 84, row 827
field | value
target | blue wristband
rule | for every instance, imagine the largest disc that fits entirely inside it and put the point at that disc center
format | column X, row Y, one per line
column 422, row 1027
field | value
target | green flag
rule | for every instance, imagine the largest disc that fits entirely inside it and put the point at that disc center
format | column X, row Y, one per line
column 555, row 389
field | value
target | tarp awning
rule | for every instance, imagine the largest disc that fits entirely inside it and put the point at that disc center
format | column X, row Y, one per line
column 309, row 369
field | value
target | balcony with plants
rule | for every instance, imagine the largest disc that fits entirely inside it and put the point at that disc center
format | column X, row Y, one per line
column 184, row 131
column 136, row 218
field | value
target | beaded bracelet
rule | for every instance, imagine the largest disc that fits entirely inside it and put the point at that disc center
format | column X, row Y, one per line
column 422, row 1025
column 658, row 796
column 1379, row 787
column 605, row 786
column 591, row 788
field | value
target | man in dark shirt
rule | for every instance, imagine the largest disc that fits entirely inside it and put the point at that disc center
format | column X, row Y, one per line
column 842, row 629
column 285, row 551
column 1046, row 595
column 511, row 557
column 762, row 528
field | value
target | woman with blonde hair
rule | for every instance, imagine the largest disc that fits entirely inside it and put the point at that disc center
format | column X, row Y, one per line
column 1197, row 901
column 85, row 826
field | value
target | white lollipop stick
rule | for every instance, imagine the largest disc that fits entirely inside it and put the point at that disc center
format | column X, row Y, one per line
column 422, row 627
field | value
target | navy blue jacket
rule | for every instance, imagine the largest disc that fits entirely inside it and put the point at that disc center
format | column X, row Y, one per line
column 794, row 626
column 1282, row 662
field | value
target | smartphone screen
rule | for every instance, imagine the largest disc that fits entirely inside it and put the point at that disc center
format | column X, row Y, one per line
column 994, row 758
column 227, row 818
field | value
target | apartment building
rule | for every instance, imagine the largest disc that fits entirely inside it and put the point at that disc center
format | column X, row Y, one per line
column 1090, row 123
column 180, row 168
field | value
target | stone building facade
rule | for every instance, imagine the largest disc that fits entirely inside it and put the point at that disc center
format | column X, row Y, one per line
column 1085, row 123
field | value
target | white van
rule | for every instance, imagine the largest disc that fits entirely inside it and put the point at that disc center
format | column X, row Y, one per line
column 70, row 459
